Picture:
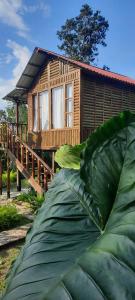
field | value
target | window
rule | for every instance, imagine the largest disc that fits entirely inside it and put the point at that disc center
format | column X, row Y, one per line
column 69, row 105
column 35, row 113
column 44, row 110
column 61, row 102
column 58, row 107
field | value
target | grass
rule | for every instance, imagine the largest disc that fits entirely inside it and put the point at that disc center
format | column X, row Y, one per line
column 9, row 217
column 7, row 256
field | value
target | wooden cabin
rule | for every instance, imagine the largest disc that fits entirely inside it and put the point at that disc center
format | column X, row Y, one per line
column 67, row 99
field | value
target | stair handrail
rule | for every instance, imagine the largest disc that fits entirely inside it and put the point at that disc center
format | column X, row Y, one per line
column 36, row 155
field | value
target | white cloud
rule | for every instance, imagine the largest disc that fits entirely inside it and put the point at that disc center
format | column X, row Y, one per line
column 40, row 6
column 10, row 15
column 5, row 58
column 22, row 55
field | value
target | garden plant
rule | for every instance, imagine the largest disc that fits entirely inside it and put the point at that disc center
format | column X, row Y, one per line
column 82, row 243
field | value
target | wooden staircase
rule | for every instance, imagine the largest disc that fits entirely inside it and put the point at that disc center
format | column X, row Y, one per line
column 33, row 167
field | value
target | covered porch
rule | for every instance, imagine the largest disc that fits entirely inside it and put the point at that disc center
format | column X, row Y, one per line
column 9, row 129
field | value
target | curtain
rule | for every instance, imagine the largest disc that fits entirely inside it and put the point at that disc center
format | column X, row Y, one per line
column 58, row 107
column 69, row 105
column 44, row 110
column 35, row 113
column 69, row 91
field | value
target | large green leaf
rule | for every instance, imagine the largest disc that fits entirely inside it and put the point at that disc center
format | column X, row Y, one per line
column 61, row 232
column 82, row 245
column 68, row 156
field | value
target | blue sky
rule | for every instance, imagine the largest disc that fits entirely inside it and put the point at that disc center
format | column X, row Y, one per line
column 25, row 24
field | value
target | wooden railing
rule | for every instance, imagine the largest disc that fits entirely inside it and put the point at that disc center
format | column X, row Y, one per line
column 17, row 129
column 34, row 166
column 3, row 133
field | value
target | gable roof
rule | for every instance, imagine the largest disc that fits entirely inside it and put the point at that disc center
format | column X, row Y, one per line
column 39, row 57
column 93, row 69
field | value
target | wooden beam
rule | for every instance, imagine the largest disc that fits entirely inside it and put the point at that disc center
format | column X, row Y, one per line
column 0, row 177
column 8, row 177
column 17, row 117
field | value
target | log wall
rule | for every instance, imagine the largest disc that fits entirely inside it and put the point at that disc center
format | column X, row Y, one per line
column 55, row 73
column 102, row 99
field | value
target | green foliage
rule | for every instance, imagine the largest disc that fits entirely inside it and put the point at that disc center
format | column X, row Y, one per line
column 2, row 115
column 25, row 183
column 32, row 198
column 82, row 242
column 12, row 177
column 11, row 113
column 69, row 156
column 81, row 36
column 23, row 114
column 9, row 217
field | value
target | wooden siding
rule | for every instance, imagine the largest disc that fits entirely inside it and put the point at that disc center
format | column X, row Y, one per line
column 53, row 139
column 101, row 99
column 54, row 74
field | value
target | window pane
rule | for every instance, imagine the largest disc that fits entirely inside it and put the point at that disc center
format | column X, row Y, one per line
column 35, row 113
column 44, row 110
column 69, row 120
column 69, row 105
column 69, row 91
column 58, row 107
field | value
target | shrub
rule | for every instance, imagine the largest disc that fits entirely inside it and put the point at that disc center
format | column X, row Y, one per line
column 10, row 218
column 32, row 198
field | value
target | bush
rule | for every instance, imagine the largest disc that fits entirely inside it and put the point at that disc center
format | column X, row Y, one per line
column 12, row 177
column 32, row 198
column 10, row 218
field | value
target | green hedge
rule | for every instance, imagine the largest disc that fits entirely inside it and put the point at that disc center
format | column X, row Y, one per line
column 9, row 217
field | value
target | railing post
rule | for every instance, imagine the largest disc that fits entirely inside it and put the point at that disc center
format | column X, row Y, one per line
column 53, row 161
column 33, row 167
column 8, row 176
column 18, row 181
column 45, row 180
column 39, row 171
column 17, row 117
column 27, row 159
column 0, row 177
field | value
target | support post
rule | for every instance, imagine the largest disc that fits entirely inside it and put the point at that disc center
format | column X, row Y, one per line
column 53, row 162
column 8, row 176
column 0, row 177
column 18, row 181
column 17, row 118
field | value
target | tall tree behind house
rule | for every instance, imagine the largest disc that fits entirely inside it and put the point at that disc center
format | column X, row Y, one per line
column 81, row 36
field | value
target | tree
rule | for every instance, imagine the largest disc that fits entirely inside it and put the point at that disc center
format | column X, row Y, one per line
column 11, row 113
column 2, row 115
column 81, row 36
column 106, row 68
